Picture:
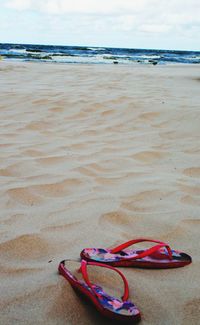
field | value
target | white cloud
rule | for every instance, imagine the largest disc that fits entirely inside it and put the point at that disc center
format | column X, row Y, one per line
column 78, row 6
column 115, row 18
column 19, row 4
column 106, row 6
column 149, row 12
column 154, row 28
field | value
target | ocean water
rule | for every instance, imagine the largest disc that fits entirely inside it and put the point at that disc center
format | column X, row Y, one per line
column 86, row 54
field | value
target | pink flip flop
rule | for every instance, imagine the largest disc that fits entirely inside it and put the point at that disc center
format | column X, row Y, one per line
column 116, row 309
column 160, row 256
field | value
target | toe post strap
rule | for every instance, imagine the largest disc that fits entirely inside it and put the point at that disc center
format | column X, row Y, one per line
column 146, row 252
column 83, row 268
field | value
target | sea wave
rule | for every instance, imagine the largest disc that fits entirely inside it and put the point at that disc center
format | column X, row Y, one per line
column 86, row 54
column 16, row 51
column 96, row 48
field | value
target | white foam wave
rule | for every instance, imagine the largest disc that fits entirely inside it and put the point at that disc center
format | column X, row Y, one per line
column 96, row 48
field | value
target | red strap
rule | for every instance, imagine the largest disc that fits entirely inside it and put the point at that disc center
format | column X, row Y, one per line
column 85, row 276
column 146, row 252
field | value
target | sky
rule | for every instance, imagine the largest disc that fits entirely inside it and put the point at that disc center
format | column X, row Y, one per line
column 157, row 24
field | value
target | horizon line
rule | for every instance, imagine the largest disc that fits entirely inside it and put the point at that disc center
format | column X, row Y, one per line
column 101, row 46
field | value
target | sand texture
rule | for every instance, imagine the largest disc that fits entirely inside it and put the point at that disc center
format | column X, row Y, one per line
column 92, row 156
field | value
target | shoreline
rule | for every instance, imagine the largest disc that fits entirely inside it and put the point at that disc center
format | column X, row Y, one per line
column 134, row 64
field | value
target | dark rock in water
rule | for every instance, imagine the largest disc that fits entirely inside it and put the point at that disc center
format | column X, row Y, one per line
column 46, row 57
column 115, row 62
column 109, row 57
column 34, row 50
column 80, row 48
column 153, row 62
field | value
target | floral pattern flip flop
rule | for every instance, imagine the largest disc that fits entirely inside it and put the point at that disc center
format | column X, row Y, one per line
column 116, row 309
column 159, row 256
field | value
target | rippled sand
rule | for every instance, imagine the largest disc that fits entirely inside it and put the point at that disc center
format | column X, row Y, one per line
column 92, row 156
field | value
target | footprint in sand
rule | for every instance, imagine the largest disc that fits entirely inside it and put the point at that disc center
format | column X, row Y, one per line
column 57, row 109
column 98, row 168
column 108, row 112
column 25, row 247
column 42, row 101
column 149, row 156
column 170, row 135
column 79, row 146
column 5, row 145
column 32, row 195
column 14, row 219
column 194, row 151
column 192, row 172
column 63, row 227
column 51, row 160
column 86, row 171
column 145, row 201
column 77, row 116
column 188, row 199
column 38, row 125
column 60, row 310
column 9, row 171
column 23, row 169
column 184, row 230
column 193, row 190
column 14, row 271
column 149, row 115
column 193, row 222
column 57, row 189
column 191, row 228
column 108, row 180
column 25, row 196
column 191, row 312
column 33, row 153
column 115, row 218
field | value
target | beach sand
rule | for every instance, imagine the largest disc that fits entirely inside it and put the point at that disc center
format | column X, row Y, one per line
column 92, row 156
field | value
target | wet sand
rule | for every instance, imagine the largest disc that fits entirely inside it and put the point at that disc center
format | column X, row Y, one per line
column 92, row 156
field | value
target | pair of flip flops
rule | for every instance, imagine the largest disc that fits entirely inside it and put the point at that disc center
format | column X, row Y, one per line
column 159, row 256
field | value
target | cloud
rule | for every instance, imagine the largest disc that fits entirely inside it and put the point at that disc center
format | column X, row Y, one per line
column 144, row 12
column 154, row 28
column 112, row 19
column 77, row 6
column 107, row 7
column 18, row 4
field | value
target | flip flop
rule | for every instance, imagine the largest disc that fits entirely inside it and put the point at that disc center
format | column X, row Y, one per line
column 116, row 309
column 160, row 256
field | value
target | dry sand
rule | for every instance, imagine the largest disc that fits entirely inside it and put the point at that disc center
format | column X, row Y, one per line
column 91, row 156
